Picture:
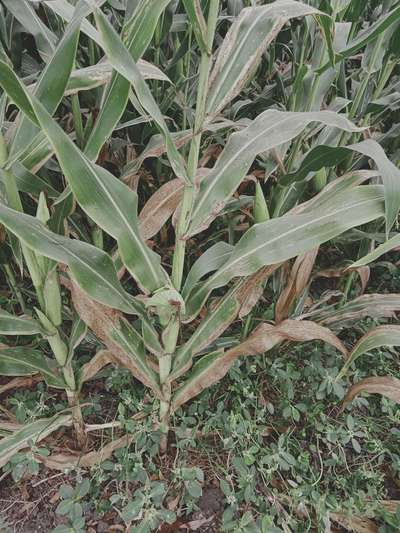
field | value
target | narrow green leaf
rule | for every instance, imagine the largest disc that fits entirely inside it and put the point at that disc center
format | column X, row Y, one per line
column 376, row 338
column 126, row 336
column 137, row 33
column 322, row 156
column 210, row 328
column 198, row 24
column 23, row 361
column 122, row 61
column 212, row 259
column 260, row 208
column 384, row 248
column 36, row 431
column 16, row 325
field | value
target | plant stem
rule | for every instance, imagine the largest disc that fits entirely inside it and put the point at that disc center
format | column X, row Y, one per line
column 77, row 418
column 193, row 159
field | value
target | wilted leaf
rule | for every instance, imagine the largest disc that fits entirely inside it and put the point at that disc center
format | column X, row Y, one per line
column 121, row 339
column 298, row 280
column 369, row 305
column 159, row 208
column 376, row 338
column 213, row 367
column 385, row 386
column 36, row 431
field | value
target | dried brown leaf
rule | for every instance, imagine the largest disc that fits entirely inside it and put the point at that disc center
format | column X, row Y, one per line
column 298, row 280
column 63, row 461
column 358, row 524
column 25, row 382
column 252, row 289
column 160, row 207
column 264, row 337
column 386, row 386
column 93, row 367
column 102, row 321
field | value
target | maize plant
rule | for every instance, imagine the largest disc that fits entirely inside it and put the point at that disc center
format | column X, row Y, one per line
column 159, row 281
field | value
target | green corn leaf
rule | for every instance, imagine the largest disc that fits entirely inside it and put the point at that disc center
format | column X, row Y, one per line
column 51, row 86
column 327, row 156
column 137, row 33
column 115, row 209
column 77, row 335
column 122, row 61
column 92, row 269
column 243, row 46
column 210, row 328
column 212, row 259
column 29, row 182
column 376, row 338
column 268, row 130
column 16, row 325
column 88, row 78
column 260, row 209
column 384, row 248
column 322, row 156
column 36, row 431
column 196, row 18
column 129, row 340
column 390, row 177
column 383, row 23
column 281, row 238
column 25, row 13
column 23, row 361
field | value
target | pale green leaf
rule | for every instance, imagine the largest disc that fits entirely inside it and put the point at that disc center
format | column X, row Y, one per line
column 268, row 130
column 122, row 61
column 376, row 338
column 384, row 248
column 92, row 268
column 36, row 431
column 17, row 325
column 243, row 46
column 23, row 361
column 281, row 238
